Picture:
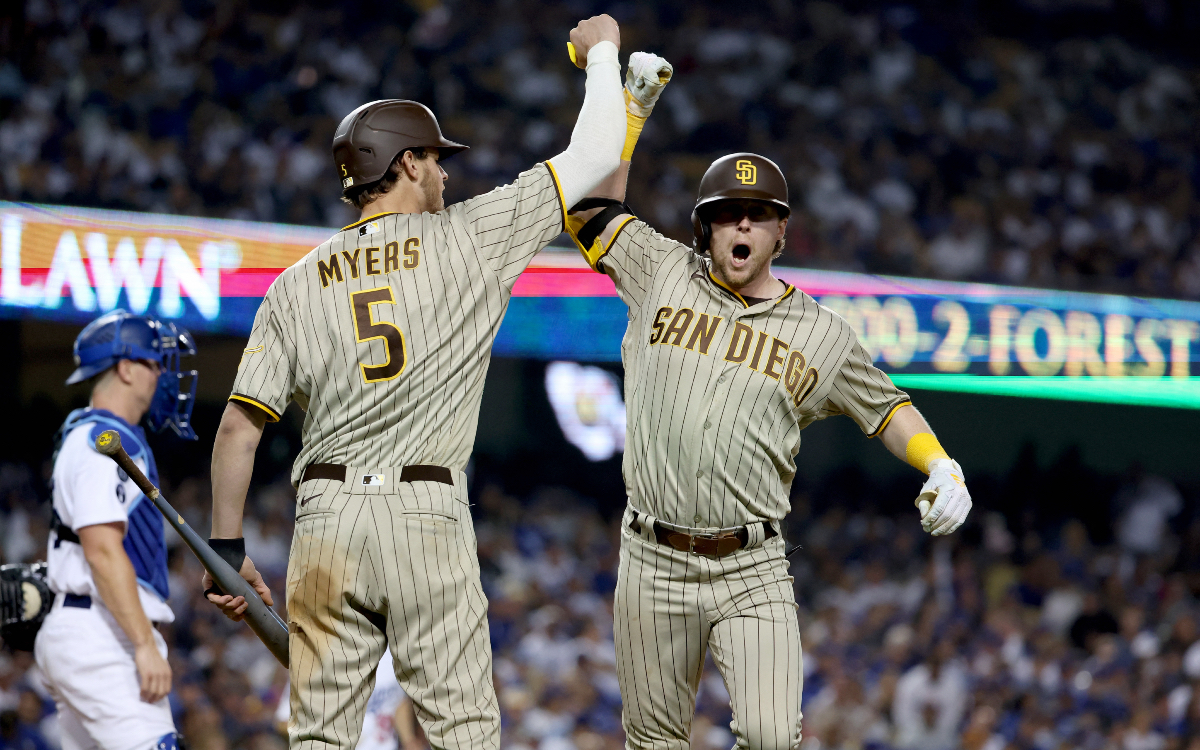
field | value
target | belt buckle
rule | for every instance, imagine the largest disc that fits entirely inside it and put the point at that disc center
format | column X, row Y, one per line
column 692, row 543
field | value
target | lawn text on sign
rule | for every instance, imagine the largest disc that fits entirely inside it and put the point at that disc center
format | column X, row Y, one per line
column 70, row 264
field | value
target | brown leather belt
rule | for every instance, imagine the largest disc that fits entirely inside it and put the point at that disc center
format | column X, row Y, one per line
column 415, row 473
column 710, row 545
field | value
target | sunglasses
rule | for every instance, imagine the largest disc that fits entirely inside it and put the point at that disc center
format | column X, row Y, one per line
column 733, row 212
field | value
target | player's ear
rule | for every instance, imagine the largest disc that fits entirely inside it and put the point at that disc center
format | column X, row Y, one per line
column 124, row 370
column 410, row 167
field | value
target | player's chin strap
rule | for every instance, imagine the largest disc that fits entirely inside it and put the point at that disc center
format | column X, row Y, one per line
column 587, row 234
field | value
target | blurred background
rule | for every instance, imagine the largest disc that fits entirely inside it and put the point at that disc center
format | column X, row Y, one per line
column 1024, row 168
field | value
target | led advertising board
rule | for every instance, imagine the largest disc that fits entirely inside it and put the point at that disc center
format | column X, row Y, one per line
column 69, row 264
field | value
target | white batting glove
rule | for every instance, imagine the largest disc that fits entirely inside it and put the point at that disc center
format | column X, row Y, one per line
column 645, row 78
column 944, row 501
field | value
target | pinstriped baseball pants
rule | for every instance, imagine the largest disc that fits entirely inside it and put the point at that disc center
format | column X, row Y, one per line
column 393, row 565
column 672, row 606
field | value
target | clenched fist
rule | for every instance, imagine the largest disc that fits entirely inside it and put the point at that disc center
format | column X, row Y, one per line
column 944, row 501
column 589, row 33
column 645, row 78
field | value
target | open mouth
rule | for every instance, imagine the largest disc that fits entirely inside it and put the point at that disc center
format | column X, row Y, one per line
column 741, row 252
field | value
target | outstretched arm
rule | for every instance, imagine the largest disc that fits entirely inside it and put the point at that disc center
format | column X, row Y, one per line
column 905, row 423
column 944, row 501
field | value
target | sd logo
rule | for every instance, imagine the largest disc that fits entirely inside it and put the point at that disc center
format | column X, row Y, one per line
column 747, row 173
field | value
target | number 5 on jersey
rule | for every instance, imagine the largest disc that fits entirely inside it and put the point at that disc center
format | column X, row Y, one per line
column 366, row 329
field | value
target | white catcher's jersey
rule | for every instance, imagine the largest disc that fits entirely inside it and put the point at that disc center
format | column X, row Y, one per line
column 720, row 387
column 379, row 731
column 383, row 334
column 90, row 489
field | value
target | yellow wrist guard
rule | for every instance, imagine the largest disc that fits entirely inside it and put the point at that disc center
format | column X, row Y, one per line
column 633, row 129
column 922, row 450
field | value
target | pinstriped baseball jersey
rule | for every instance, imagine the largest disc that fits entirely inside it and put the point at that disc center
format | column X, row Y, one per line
column 719, row 388
column 383, row 334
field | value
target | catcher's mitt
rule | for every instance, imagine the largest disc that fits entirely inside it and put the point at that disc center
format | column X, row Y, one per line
column 24, row 601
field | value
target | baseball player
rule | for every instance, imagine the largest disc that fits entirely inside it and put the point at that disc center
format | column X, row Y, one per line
column 389, row 723
column 724, row 366
column 383, row 335
column 104, row 661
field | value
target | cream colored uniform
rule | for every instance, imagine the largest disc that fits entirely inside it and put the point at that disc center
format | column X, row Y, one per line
column 383, row 335
column 718, row 390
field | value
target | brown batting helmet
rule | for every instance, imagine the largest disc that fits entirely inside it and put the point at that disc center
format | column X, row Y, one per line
column 738, row 177
column 372, row 136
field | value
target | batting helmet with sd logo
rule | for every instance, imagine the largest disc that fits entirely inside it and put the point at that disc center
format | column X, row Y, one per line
column 372, row 136
column 737, row 177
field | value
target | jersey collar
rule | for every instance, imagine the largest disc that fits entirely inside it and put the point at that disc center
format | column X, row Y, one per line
column 88, row 415
column 721, row 285
column 745, row 304
column 360, row 222
column 90, row 411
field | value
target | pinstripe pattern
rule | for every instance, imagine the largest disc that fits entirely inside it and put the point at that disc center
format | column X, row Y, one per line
column 718, row 390
column 401, row 556
column 712, row 442
column 383, row 335
column 671, row 606
column 448, row 309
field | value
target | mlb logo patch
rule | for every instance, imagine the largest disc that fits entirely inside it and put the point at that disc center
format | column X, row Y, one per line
column 347, row 182
column 371, row 227
column 373, row 480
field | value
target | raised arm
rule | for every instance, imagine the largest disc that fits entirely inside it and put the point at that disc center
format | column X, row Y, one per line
column 510, row 224
column 595, row 148
column 645, row 78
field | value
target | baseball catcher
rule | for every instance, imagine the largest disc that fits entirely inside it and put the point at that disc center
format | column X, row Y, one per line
column 104, row 662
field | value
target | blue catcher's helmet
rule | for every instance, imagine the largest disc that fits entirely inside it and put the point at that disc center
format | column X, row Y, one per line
column 120, row 335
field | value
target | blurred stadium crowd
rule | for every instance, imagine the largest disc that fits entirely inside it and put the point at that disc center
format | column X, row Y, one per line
column 1025, row 632
column 914, row 145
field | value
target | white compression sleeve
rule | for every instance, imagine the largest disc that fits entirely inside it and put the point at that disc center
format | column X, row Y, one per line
column 595, row 148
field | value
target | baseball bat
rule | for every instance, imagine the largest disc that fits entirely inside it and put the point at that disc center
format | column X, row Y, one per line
column 263, row 620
